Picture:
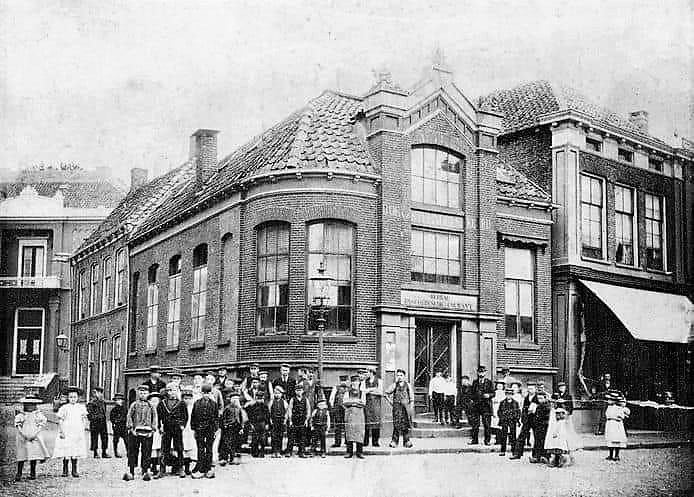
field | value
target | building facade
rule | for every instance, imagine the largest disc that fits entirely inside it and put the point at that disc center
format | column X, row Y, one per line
column 44, row 216
column 622, row 259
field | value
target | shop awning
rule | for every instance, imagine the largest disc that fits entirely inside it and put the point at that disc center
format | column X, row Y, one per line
column 653, row 316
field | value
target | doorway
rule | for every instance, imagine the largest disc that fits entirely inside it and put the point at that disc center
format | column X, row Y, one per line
column 432, row 353
column 28, row 340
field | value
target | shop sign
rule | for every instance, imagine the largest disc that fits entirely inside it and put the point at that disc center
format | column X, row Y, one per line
column 434, row 300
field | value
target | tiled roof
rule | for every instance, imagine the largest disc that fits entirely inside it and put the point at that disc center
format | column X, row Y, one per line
column 512, row 183
column 139, row 204
column 319, row 136
column 82, row 195
column 525, row 106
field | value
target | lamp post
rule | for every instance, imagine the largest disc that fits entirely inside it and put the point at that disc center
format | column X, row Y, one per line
column 62, row 341
column 319, row 302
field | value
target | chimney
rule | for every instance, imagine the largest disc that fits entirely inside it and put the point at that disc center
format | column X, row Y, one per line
column 138, row 177
column 203, row 149
column 639, row 118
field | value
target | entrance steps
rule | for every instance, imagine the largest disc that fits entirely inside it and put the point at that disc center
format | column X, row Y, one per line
column 13, row 388
column 425, row 427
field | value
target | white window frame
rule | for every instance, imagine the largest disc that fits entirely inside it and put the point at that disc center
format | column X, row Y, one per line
column 91, row 345
column 120, row 293
column 603, row 216
column 533, row 297
column 14, row 340
column 173, row 316
column 93, row 284
column 32, row 242
column 106, row 278
column 152, row 317
column 664, row 229
column 81, row 277
column 115, row 364
column 103, row 362
column 634, row 223
column 79, row 367
column 198, row 309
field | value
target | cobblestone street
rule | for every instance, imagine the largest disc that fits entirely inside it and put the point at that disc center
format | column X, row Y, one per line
column 654, row 472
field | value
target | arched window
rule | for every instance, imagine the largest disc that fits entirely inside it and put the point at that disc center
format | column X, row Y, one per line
column 81, row 292
column 331, row 242
column 94, row 292
column 79, row 369
column 115, row 365
column 225, row 287
column 273, row 278
column 121, row 292
column 173, row 317
column 103, row 362
column 435, row 176
column 132, row 335
column 152, row 308
column 199, row 298
column 106, row 299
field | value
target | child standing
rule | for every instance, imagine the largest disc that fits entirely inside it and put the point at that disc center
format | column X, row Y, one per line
column 173, row 416
column 117, row 417
column 259, row 419
column 278, row 420
column 204, row 421
column 70, row 443
column 141, row 423
column 233, row 420
column 299, row 415
column 464, row 399
column 561, row 439
column 615, row 414
column 449, row 392
column 154, row 399
column 540, row 425
column 509, row 418
column 436, row 393
column 190, row 448
column 96, row 413
column 30, row 447
column 499, row 396
column 320, row 421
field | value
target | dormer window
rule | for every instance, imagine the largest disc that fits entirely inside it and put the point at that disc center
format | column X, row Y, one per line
column 625, row 155
column 593, row 145
column 655, row 164
column 435, row 176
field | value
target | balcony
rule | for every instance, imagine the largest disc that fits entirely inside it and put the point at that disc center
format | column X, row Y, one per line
column 29, row 282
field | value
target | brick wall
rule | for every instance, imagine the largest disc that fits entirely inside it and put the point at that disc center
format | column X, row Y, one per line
column 529, row 151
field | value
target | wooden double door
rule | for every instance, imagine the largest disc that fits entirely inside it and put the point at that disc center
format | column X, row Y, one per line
column 433, row 352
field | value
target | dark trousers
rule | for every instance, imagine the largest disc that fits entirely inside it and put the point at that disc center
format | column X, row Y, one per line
column 519, row 448
column 277, row 433
column 338, row 417
column 204, row 439
column 539, row 433
column 449, row 409
column 297, row 436
column 318, row 438
column 98, row 430
column 139, row 445
column 168, row 439
column 397, row 432
column 350, row 447
column 230, row 442
column 475, row 416
column 372, row 433
column 508, row 433
column 437, row 404
column 258, row 439
column 119, row 434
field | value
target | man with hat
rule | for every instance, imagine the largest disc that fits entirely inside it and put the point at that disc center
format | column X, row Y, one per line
column 96, row 414
column 264, row 384
column 221, row 377
column 506, row 377
column 285, row 381
column 117, row 416
column 141, row 422
column 373, row 386
column 298, row 415
column 176, row 376
column 337, row 415
column 253, row 372
column 204, row 421
column 154, row 382
column 563, row 398
column 530, row 402
column 509, row 414
column 403, row 409
column 481, row 407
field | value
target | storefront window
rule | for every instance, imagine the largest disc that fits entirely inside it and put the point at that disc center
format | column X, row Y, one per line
column 273, row 278
column 519, row 293
column 435, row 176
column 435, row 257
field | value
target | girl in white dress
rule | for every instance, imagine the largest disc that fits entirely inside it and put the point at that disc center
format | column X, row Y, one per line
column 499, row 396
column 615, row 434
column 71, row 442
column 30, row 447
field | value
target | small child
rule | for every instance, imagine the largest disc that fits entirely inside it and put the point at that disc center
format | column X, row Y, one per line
column 259, row 419
column 233, row 420
column 70, row 444
column 540, row 426
column 30, row 446
column 436, row 393
column 499, row 396
column 173, row 416
column 117, row 417
column 141, row 422
column 278, row 420
column 155, row 458
column 509, row 418
column 320, row 421
column 615, row 434
column 561, row 439
column 464, row 398
column 190, row 448
column 449, row 392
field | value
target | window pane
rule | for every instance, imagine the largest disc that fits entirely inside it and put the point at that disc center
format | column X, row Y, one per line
column 518, row 263
column 417, row 242
column 453, row 190
column 314, row 261
column 442, row 267
column 417, row 190
column 511, row 326
column 526, row 323
column 417, row 264
column 585, row 189
column 315, row 237
column 525, row 299
column 283, row 239
column 441, row 245
column 441, row 193
column 416, row 157
column 511, row 298
column 429, row 243
column 344, row 295
column 429, row 191
column 30, row 318
column 454, row 269
column 453, row 247
column 429, row 163
column 344, row 319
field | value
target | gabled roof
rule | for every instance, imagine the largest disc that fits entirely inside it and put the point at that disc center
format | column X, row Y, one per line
column 80, row 194
column 512, row 183
column 527, row 104
column 139, row 204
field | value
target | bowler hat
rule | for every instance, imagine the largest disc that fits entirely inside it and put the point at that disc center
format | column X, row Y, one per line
column 186, row 392
column 354, row 377
column 481, row 369
column 344, row 377
column 154, row 394
column 262, row 372
column 509, row 391
column 400, row 370
column 98, row 389
column 561, row 384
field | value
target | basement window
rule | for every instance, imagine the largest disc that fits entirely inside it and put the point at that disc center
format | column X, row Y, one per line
column 593, row 145
column 625, row 155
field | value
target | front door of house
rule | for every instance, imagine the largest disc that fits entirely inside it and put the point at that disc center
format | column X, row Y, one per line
column 28, row 336
column 432, row 347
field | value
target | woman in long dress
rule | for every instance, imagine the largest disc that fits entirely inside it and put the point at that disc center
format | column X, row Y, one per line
column 70, row 444
column 354, row 402
column 30, row 446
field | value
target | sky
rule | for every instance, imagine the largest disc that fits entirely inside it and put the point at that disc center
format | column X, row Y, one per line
column 124, row 84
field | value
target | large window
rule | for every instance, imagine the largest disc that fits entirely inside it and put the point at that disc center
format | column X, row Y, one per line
column 94, row 292
column 103, row 362
column 655, row 233
column 107, row 276
column 120, row 278
column 173, row 316
column 519, row 293
column 90, row 369
column 32, row 259
column 592, row 202
column 199, row 299
column 79, row 365
column 152, row 308
column 332, row 243
column 115, row 365
column 435, row 176
column 273, row 278
column 81, row 292
column 435, row 257
column 132, row 335
column 624, row 225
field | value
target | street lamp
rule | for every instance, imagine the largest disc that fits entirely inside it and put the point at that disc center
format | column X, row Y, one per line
column 322, row 282
column 62, row 341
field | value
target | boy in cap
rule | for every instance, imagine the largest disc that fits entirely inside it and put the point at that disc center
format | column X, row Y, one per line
column 221, row 377
column 233, row 420
column 299, row 416
column 96, row 414
column 436, row 393
column 509, row 418
column 141, row 423
column 464, row 399
column 204, row 420
column 154, row 398
column 320, row 424
column 337, row 395
column 173, row 417
column 117, row 416
column 259, row 419
column 403, row 408
column 449, row 410
column 278, row 420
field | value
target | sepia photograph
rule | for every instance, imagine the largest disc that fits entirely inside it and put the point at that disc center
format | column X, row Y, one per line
column 346, row 248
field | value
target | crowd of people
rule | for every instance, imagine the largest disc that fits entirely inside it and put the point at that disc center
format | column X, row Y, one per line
column 177, row 425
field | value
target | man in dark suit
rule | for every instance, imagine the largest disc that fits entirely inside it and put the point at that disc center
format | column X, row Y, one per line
column 481, row 408
column 285, row 381
column 530, row 402
column 154, row 382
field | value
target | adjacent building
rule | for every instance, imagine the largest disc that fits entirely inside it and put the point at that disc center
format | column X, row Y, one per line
column 44, row 215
